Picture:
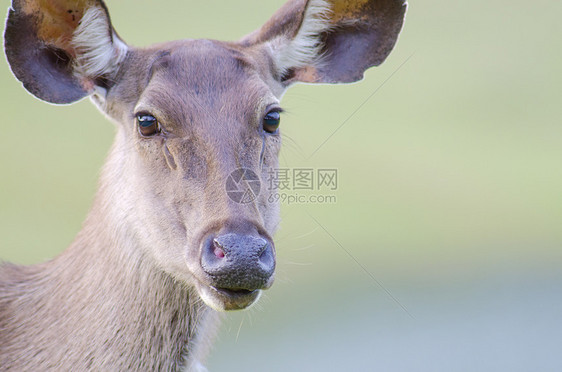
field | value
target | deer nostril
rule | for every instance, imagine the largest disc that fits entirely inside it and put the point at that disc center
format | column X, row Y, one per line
column 217, row 249
column 263, row 250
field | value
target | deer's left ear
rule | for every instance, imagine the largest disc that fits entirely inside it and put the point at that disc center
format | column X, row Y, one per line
column 62, row 50
column 330, row 41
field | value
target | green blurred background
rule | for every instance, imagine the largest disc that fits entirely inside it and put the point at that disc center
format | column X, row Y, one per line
column 443, row 251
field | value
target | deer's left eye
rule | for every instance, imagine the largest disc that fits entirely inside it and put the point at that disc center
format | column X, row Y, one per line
column 148, row 125
column 271, row 121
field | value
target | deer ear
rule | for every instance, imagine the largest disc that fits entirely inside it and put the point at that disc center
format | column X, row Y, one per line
column 62, row 50
column 330, row 41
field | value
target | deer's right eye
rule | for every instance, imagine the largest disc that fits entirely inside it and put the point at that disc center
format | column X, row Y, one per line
column 148, row 125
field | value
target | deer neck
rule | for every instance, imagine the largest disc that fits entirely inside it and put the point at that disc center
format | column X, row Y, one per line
column 103, row 303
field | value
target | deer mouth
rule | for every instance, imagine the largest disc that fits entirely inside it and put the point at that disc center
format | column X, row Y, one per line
column 227, row 299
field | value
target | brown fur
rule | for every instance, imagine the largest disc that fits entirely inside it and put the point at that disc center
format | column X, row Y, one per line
column 126, row 295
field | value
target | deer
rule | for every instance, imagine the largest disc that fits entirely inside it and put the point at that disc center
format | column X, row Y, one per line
column 164, row 249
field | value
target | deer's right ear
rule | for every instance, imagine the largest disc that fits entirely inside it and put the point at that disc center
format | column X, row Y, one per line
column 62, row 50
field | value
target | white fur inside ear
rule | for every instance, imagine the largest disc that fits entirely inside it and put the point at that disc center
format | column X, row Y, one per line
column 96, row 53
column 305, row 47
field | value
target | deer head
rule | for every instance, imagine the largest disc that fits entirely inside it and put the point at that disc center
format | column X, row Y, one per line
column 197, row 123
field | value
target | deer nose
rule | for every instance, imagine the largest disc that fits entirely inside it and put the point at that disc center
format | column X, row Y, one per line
column 239, row 262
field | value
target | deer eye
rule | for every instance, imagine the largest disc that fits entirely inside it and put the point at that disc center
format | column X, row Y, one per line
column 148, row 125
column 271, row 121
